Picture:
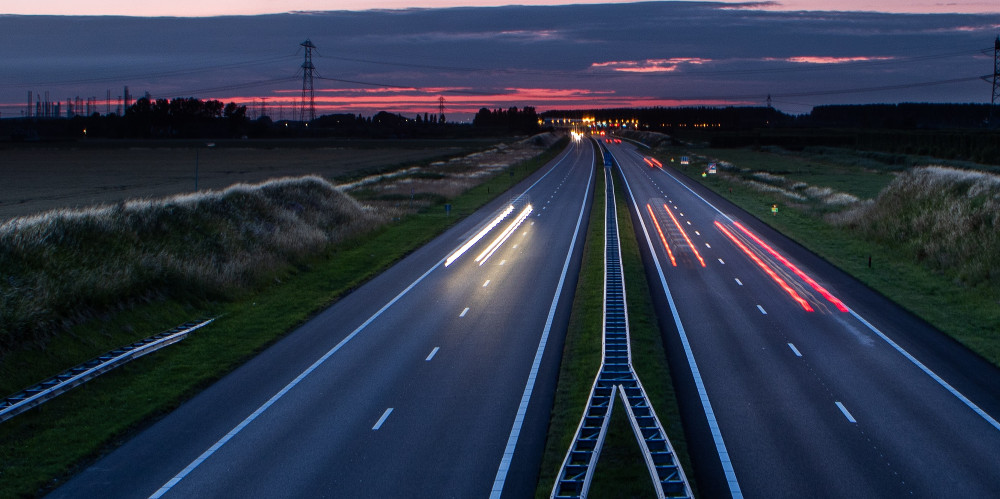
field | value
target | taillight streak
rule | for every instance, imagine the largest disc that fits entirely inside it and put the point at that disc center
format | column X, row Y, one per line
column 802, row 275
column 662, row 238
column 683, row 233
column 756, row 259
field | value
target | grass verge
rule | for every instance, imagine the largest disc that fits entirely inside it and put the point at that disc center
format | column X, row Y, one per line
column 618, row 473
column 40, row 448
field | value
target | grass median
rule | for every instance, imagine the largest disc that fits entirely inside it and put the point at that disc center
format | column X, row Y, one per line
column 620, row 470
column 41, row 448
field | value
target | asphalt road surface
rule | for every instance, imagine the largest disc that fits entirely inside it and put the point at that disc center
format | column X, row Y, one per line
column 795, row 380
column 429, row 381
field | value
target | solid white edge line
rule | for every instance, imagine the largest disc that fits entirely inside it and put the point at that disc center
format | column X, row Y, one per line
column 795, row 350
column 847, row 414
column 249, row 419
column 529, row 386
column 381, row 420
column 232, row 433
column 432, row 354
column 720, row 445
column 970, row 404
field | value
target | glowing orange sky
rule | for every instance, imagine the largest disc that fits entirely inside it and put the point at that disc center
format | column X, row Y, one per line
column 196, row 8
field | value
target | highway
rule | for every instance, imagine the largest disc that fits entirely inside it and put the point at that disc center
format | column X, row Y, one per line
column 795, row 380
column 431, row 380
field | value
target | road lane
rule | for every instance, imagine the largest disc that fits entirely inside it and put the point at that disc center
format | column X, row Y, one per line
column 424, row 374
column 785, row 420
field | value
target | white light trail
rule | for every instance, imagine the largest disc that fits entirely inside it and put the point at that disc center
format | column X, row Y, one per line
column 488, row 252
column 468, row 244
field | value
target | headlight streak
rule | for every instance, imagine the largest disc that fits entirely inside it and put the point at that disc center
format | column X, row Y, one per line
column 781, row 282
column 495, row 245
column 468, row 244
column 662, row 238
column 686, row 238
column 802, row 275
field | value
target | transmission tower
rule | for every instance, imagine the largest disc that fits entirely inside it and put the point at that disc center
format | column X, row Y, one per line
column 996, row 83
column 441, row 109
column 307, row 84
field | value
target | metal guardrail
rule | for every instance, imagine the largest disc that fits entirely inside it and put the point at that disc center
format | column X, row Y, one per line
column 617, row 376
column 76, row 376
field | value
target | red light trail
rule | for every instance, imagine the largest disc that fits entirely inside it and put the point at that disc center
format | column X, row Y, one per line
column 819, row 289
column 781, row 282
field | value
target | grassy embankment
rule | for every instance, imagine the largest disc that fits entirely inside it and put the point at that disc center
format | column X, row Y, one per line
column 620, row 470
column 931, row 233
column 39, row 448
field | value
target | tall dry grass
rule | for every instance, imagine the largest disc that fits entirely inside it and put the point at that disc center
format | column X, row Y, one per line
column 65, row 266
column 945, row 217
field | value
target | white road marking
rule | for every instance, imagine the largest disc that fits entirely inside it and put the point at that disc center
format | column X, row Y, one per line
column 260, row 410
column 738, row 281
column 706, row 404
column 709, row 246
column 968, row 403
column 794, row 350
column 722, row 262
column 515, row 246
column 761, row 309
column 433, row 353
column 532, row 222
column 503, row 262
column 464, row 312
column 697, row 233
column 847, row 413
column 381, row 420
column 529, row 386
column 487, row 283
column 688, row 222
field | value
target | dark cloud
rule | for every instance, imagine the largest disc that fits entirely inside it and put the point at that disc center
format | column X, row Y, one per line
column 743, row 53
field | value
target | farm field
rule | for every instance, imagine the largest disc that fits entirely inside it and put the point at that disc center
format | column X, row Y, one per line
column 46, row 177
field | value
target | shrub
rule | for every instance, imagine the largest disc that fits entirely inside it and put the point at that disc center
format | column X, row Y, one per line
column 945, row 217
column 64, row 266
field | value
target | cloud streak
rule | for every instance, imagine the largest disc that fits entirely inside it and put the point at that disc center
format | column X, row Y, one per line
column 656, row 53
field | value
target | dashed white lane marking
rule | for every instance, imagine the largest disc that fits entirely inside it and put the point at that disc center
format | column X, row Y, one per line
column 709, row 246
column 722, row 262
column 697, row 233
column 433, row 353
column 385, row 415
column 514, row 247
column 847, row 414
column 487, row 283
column 795, row 350
column 738, row 281
column 761, row 309
column 464, row 312
column 688, row 222
column 502, row 262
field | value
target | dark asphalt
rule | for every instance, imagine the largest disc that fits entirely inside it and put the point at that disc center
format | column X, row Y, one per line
column 784, row 384
column 408, row 387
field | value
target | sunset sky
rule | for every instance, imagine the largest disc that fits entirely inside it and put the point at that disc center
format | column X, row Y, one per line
column 193, row 8
column 551, row 57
